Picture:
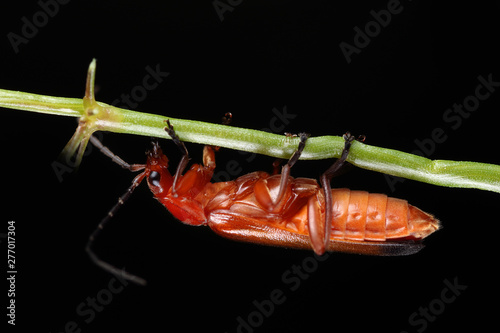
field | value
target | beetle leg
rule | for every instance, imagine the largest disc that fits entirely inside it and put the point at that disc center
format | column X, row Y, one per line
column 296, row 155
column 323, row 229
column 285, row 171
column 261, row 189
column 227, row 118
column 277, row 162
column 209, row 150
column 276, row 165
column 185, row 155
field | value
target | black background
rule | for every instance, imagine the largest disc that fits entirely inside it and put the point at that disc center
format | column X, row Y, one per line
column 263, row 55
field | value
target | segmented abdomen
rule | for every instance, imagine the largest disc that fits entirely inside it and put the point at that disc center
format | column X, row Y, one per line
column 359, row 215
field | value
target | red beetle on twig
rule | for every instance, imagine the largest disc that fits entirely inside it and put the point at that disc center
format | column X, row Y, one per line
column 277, row 209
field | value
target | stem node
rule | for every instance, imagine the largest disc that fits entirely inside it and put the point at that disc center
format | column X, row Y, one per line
column 94, row 118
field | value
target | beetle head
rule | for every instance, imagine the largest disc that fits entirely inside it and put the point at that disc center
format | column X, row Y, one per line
column 159, row 178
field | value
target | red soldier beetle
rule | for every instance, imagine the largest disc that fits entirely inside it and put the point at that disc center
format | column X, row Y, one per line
column 276, row 209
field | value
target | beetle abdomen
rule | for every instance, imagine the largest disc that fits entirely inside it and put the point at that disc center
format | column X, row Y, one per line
column 359, row 216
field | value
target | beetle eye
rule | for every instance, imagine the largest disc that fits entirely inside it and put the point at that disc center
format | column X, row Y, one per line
column 154, row 178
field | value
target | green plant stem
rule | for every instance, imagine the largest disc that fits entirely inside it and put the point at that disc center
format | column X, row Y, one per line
column 96, row 116
column 60, row 106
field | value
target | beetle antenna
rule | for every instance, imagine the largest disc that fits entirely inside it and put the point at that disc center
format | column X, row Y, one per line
column 88, row 248
column 115, row 158
column 121, row 200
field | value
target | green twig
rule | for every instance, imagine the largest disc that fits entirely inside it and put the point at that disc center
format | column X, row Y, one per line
column 97, row 116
